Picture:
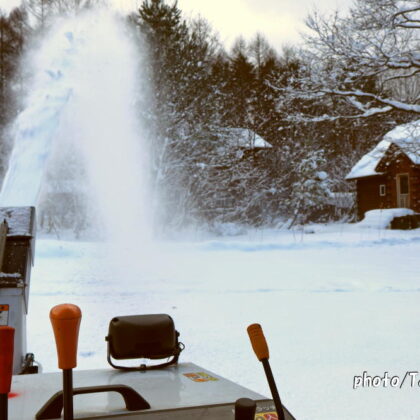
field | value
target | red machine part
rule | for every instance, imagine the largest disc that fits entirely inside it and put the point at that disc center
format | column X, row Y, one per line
column 7, row 335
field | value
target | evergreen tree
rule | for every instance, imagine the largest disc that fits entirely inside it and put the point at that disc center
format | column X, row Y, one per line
column 240, row 87
column 12, row 37
column 179, row 59
column 165, row 34
column 219, row 69
column 13, row 32
column 265, row 118
column 184, row 115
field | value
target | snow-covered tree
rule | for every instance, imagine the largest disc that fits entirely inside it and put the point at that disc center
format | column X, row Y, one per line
column 312, row 187
column 184, row 102
column 363, row 60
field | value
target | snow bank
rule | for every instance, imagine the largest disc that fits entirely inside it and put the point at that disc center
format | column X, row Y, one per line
column 381, row 219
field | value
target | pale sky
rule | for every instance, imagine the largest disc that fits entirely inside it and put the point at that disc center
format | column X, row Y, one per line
column 279, row 20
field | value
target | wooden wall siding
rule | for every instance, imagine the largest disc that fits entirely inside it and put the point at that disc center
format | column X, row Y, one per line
column 401, row 164
column 368, row 197
column 415, row 190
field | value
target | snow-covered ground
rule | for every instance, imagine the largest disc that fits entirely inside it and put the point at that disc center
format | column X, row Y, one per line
column 333, row 301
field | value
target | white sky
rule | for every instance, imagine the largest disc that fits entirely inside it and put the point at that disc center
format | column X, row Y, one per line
column 279, row 20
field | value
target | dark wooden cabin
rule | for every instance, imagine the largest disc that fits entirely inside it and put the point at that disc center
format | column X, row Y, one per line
column 389, row 175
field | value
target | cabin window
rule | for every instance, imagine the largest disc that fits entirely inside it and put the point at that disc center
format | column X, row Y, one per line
column 382, row 190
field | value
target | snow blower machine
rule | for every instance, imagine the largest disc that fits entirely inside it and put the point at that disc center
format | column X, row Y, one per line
column 167, row 390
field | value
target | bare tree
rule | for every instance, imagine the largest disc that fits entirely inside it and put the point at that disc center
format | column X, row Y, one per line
column 203, row 34
column 43, row 10
column 260, row 51
column 239, row 47
column 369, row 59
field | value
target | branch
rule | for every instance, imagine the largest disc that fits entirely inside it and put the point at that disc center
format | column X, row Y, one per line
column 368, row 113
column 401, row 76
column 407, row 22
column 389, row 102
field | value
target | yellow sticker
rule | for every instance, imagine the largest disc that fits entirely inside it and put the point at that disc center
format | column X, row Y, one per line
column 200, row 377
column 270, row 415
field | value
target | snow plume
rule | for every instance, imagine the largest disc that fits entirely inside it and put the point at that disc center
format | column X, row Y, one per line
column 83, row 100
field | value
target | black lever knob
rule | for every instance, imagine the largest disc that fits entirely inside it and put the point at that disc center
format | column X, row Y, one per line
column 245, row 409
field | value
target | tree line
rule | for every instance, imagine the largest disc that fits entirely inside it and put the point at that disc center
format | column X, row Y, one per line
column 320, row 107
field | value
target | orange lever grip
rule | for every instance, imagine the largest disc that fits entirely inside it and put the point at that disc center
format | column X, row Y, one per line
column 259, row 344
column 7, row 335
column 65, row 320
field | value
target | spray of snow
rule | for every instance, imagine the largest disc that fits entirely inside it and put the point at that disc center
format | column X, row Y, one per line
column 84, row 92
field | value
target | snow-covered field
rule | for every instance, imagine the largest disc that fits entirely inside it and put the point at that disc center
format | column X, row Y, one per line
column 333, row 301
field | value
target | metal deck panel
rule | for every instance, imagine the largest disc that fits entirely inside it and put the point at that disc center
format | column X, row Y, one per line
column 169, row 392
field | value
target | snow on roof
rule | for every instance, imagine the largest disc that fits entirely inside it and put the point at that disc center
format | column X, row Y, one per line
column 246, row 138
column 406, row 137
column 19, row 220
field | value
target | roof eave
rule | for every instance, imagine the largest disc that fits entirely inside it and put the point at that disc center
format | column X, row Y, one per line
column 355, row 178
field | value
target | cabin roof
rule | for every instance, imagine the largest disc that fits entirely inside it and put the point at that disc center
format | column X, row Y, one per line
column 244, row 138
column 406, row 137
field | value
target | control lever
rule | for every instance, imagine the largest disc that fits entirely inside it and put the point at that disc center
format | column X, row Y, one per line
column 245, row 409
column 65, row 320
column 259, row 344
